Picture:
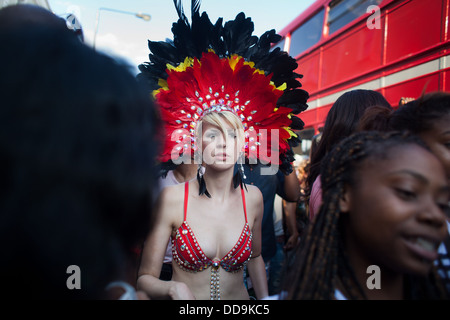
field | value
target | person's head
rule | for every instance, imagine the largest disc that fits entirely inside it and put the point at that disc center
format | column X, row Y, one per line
column 384, row 196
column 344, row 115
column 429, row 118
column 220, row 136
column 27, row 16
column 76, row 157
column 342, row 120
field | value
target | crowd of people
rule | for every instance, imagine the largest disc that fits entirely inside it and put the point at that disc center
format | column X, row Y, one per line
column 181, row 182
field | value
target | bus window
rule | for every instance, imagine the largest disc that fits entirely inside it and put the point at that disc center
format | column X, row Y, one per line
column 279, row 45
column 307, row 35
column 343, row 12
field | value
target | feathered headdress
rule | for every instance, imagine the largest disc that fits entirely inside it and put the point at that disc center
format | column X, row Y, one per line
column 213, row 67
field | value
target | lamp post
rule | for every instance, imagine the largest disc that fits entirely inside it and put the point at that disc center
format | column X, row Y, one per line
column 143, row 16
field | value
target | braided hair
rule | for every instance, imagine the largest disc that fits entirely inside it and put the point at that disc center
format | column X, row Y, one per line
column 321, row 263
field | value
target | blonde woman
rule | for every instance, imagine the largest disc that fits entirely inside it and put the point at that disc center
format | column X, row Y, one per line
column 212, row 237
column 221, row 92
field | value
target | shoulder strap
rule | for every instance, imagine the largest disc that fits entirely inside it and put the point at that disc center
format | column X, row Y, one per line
column 243, row 202
column 186, row 195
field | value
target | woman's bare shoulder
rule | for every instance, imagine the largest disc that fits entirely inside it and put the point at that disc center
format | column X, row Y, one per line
column 170, row 200
column 254, row 195
column 253, row 191
column 254, row 202
column 173, row 193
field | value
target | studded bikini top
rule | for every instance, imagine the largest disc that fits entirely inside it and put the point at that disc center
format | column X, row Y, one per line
column 190, row 256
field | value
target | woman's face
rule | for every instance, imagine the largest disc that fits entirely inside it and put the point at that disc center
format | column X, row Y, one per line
column 438, row 139
column 218, row 150
column 395, row 211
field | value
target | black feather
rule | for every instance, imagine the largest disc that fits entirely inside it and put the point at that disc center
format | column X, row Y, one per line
column 238, row 35
column 167, row 51
column 195, row 6
column 216, row 38
column 238, row 180
column 202, row 186
column 179, row 7
column 294, row 99
column 297, row 123
column 202, row 29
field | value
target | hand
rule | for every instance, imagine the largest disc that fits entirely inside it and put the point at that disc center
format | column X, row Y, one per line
column 180, row 291
column 292, row 242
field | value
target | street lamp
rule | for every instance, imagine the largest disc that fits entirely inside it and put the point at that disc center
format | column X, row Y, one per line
column 143, row 16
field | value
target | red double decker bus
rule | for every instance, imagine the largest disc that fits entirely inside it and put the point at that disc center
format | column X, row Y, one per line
column 399, row 48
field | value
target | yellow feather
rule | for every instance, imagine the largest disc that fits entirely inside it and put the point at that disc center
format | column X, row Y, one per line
column 188, row 62
column 291, row 133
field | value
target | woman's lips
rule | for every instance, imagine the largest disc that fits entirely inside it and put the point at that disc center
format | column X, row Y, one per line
column 222, row 156
column 424, row 247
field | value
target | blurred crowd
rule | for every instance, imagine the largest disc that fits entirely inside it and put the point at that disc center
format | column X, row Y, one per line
column 80, row 187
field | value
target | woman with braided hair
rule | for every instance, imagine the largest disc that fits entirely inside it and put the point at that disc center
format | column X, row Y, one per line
column 429, row 118
column 384, row 196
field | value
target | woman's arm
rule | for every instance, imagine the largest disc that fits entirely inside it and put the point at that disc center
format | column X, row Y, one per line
column 154, row 251
column 291, row 223
column 256, row 267
column 257, row 271
column 291, row 187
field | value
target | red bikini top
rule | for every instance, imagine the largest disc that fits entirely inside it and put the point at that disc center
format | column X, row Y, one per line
column 190, row 257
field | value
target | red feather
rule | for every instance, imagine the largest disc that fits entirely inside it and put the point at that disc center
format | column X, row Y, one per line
column 213, row 81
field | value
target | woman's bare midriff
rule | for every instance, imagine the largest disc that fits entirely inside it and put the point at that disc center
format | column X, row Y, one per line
column 231, row 283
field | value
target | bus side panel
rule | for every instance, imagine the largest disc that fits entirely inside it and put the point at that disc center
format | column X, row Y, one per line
column 352, row 53
column 315, row 118
column 412, row 88
column 309, row 68
column 322, row 113
column 446, row 80
column 413, row 26
column 308, row 117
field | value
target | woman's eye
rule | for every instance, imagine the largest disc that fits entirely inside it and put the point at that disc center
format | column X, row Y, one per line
column 406, row 194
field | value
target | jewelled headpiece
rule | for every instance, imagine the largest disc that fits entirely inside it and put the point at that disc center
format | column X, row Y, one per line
column 211, row 68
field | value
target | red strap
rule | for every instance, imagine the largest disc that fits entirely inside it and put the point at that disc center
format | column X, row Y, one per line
column 243, row 202
column 186, row 195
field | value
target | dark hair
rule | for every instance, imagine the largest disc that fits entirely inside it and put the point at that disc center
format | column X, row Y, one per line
column 76, row 164
column 416, row 116
column 23, row 15
column 321, row 261
column 341, row 121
